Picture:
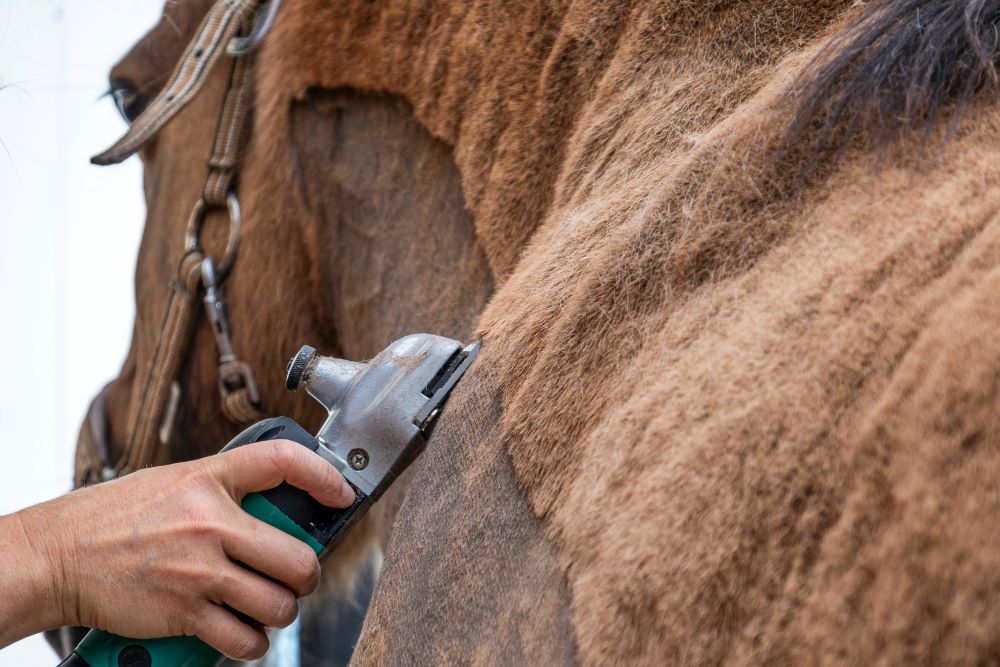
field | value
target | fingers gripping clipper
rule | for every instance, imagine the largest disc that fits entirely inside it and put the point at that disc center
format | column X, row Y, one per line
column 379, row 415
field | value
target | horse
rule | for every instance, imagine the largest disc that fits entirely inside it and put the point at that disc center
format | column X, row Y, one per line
column 733, row 265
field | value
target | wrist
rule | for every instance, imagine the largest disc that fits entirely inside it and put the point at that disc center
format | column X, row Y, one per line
column 32, row 574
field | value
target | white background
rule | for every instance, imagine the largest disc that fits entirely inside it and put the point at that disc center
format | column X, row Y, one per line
column 68, row 238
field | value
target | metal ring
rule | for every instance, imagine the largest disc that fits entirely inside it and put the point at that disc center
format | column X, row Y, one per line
column 241, row 46
column 192, row 240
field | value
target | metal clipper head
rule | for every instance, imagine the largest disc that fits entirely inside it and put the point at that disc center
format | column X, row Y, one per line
column 379, row 412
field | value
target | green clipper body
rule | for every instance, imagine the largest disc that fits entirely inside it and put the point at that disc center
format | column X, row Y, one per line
column 378, row 416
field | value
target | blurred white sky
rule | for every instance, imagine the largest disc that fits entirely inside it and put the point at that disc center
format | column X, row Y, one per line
column 68, row 237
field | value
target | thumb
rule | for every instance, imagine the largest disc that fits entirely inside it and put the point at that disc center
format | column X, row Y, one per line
column 265, row 465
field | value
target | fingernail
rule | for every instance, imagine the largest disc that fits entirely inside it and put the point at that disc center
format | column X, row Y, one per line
column 347, row 493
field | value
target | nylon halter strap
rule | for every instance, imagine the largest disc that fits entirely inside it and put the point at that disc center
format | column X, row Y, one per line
column 153, row 409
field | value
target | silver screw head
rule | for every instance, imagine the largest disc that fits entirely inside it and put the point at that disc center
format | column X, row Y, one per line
column 357, row 459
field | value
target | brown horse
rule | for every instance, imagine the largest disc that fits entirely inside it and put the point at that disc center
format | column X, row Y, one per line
column 737, row 395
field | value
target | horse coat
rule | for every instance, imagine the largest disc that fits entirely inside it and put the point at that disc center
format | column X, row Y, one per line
column 737, row 394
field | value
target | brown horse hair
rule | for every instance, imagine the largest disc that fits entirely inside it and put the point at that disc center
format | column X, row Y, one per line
column 892, row 74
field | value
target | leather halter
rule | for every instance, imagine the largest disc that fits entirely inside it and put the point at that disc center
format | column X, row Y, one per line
column 153, row 411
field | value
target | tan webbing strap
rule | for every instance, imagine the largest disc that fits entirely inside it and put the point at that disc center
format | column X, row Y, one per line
column 147, row 412
column 231, row 134
column 224, row 20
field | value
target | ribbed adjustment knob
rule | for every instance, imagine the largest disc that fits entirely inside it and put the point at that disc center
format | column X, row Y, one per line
column 298, row 366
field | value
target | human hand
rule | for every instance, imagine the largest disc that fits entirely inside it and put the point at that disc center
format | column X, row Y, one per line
column 160, row 551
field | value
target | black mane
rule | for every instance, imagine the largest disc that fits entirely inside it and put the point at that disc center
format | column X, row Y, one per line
column 898, row 68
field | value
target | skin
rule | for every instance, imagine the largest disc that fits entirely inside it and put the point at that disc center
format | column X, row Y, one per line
column 160, row 551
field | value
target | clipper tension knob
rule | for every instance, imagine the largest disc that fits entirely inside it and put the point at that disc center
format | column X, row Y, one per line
column 298, row 366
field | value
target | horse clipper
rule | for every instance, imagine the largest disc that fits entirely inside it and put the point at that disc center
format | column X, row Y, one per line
column 379, row 416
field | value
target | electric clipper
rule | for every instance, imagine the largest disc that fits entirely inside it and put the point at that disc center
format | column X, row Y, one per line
column 379, row 415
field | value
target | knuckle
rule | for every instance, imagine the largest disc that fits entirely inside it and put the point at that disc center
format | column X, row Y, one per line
column 185, row 620
column 282, row 455
column 315, row 573
column 219, row 584
column 203, row 622
column 202, row 521
column 284, row 451
column 205, row 585
column 201, row 579
column 202, row 525
column 285, row 609
column 306, row 573
column 191, row 577
column 247, row 645
column 196, row 475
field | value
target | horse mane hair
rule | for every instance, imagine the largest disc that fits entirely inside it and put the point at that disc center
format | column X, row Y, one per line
column 897, row 69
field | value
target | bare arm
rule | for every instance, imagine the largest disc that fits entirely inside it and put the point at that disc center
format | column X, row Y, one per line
column 28, row 604
column 162, row 551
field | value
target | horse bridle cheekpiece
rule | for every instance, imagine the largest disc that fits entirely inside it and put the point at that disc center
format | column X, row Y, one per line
column 234, row 28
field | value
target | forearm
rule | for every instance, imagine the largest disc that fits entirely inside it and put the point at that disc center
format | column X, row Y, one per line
column 29, row 583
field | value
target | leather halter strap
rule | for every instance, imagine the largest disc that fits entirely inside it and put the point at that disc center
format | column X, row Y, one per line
column 223, row 22
column 153, row 408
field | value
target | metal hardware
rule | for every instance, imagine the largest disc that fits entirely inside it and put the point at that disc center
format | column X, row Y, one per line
column 192, row 239
column 379, row 412
column 241, row 46
column 233, row 373
column 358, row 459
